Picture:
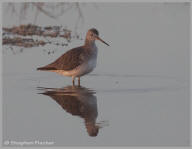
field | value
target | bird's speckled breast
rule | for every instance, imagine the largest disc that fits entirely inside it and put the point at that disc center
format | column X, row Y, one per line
column 92, row 61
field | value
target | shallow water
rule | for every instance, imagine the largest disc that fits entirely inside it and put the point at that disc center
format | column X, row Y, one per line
column 139, row 109
column 138, row 95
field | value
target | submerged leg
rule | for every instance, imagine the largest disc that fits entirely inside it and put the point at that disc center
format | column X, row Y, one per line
column 79, row 81
column 73, row 80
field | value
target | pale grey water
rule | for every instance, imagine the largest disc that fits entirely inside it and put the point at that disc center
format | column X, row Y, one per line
column 139, row 91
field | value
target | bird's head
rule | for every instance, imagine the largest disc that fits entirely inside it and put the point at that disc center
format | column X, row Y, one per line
column 93, row 35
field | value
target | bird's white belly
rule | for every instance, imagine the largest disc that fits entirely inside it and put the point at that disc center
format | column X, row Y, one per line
column 81, row 70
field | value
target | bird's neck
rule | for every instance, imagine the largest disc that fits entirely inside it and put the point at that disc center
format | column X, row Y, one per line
column 89, row 43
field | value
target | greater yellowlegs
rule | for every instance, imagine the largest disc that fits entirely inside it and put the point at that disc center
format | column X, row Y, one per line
column 77, row 61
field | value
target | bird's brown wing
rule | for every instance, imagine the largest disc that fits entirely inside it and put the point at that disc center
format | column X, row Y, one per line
column 67, row 61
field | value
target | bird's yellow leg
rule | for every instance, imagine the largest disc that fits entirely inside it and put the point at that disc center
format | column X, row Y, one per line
column 73, row 80
column 79, row 81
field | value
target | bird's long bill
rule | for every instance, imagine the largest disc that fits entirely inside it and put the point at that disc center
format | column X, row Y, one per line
column 102, row 41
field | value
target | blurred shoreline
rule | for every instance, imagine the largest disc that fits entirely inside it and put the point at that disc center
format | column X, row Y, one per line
column 23, row 35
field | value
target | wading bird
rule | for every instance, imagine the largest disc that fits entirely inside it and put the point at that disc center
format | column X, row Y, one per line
column 77, row 61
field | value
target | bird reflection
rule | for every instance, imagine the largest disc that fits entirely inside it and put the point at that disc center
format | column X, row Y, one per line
column 79, row 101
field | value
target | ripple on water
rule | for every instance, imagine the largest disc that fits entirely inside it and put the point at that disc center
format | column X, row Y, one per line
column 100, row 83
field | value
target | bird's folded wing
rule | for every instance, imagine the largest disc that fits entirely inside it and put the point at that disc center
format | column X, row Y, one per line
column 68, row 61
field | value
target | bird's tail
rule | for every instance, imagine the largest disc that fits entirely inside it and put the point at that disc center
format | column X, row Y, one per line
column 45, row 68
